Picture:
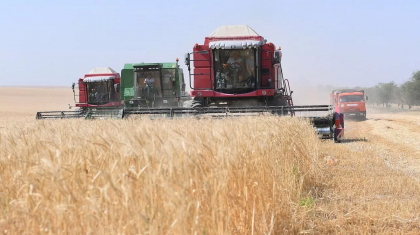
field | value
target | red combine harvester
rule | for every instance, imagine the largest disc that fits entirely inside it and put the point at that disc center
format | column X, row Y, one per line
column 236, row 71
column 98, row 89
column 97, row 93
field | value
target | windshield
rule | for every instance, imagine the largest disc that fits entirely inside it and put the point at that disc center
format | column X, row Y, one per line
column 98, row 92
column 351, row 98
column 147, row 76
column 234, row 68
column 168, row 79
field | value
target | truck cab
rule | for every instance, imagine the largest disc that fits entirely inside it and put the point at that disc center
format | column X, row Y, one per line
column 350, row 102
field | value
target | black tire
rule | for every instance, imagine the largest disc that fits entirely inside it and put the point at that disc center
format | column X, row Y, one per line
column 278, row 101
column 197, row 102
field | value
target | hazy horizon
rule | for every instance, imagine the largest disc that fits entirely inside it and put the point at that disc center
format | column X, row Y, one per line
column 346, row 43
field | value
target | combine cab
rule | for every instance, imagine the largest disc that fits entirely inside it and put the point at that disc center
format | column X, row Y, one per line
column 152, row 85
column 95, row 95
column 236, row 67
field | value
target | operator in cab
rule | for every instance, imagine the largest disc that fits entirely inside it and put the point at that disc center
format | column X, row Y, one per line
column 150, row 85
column 149, row 80
column 235, row 61
column 234, row 66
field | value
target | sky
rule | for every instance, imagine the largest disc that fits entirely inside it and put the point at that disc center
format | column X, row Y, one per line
column 338, row 43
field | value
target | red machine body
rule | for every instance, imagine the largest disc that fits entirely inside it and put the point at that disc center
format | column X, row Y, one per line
column 98, row 88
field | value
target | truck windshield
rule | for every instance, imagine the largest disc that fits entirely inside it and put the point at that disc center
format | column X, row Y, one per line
column 98, row 92
column 237, row 67
column 351, row 98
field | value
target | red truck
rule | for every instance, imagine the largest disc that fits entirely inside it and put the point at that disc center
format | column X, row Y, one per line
column 350, row 102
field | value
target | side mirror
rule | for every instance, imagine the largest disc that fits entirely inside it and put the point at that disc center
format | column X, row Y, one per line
column 117, row 88
column 367, row 98
column 187, row 59
column 291, row 92
column 72, row 86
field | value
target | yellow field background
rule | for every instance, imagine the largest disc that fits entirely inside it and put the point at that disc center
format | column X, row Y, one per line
column 251, row 175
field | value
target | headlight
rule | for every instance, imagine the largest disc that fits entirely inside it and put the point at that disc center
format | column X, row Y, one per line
column 342, row 105
column 130, row 102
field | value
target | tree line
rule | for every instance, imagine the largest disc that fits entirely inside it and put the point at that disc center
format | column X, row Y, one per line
column 406, row 94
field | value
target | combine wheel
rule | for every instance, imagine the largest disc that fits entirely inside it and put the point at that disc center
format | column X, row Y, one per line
column 197, row 102
column 278, row 101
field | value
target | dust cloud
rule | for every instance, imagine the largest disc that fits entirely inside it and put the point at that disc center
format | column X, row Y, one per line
column 311, row 95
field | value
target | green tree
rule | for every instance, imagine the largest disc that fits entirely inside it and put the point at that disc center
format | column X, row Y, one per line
column 411, row 90
column 399, row 97
column 416, row 76
column 386, row 92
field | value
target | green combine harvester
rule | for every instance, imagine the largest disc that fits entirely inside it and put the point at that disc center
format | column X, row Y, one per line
column 152, row 85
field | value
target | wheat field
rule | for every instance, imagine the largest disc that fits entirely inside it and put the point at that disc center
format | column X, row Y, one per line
column 250, row 175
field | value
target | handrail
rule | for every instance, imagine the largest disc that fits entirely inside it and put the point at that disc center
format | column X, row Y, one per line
column 288, row 86
column 189, row 71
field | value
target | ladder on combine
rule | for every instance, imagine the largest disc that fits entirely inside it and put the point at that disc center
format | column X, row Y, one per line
column 288, row 96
